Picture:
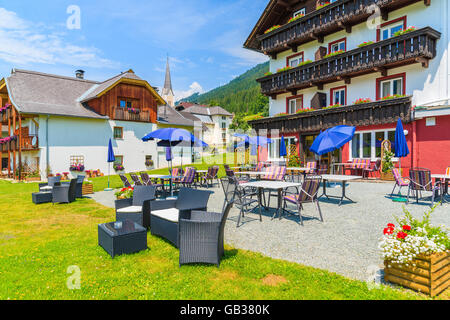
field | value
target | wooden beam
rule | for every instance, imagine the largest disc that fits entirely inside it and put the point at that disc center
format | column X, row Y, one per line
column 318, row 37
column 384, row 14
column 423, row 61
column 382, row 70
column 294, row 47
column 346, row 27
column 293, row 92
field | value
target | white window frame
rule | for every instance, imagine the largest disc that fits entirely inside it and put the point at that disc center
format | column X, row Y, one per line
column 296, row 107
column 389, row 27
column 276, row 144
column 337, row 44
column 299, row 12
column 298, row 58
column 391, row 87
column 334, row 91
column 372, row 144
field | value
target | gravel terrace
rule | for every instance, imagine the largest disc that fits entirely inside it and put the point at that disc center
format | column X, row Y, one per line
column 345, row 243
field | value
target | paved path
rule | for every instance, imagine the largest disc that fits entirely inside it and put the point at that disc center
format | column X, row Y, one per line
column 345, row 243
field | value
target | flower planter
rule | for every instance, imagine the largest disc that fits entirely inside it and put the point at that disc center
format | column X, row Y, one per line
column 33, row 179
column 87, row 189
column 388, row 176
column 431, row 275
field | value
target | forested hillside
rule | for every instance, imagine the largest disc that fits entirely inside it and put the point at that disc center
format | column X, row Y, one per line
column 241, row 95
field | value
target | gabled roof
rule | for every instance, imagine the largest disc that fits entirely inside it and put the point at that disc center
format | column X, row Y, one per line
column 273, row 13
column 125, row 77
column 168, row 115
column 207, row 111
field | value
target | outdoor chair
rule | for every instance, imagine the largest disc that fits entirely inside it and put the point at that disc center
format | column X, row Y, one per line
column 79, row 192
column 176, row 172
column 65, row 193
column 148, row 182
column 358, row 165
column 52, row 181
column 242, row 197
column 137, row 208
column 322, row 169
column 420, row 180
column 201, row 238
column 307, row 194
column 372, row 170
column 165, row 214
column 211, row 175
column 260, row 167
column 312, row 166
column 274, row 173
column 399, row 181
column 136, row 180
column 188, row 178
column 125, row 181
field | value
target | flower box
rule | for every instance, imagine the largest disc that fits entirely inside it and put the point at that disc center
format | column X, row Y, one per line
column 431, row 275
column 87, row 189
column 32, row 179
column 387, row 176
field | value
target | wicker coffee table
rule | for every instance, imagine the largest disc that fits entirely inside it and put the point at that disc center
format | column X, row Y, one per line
column 42, row 197
column 130, row 238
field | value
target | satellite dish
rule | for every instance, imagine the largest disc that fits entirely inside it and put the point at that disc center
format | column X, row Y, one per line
column 34, row 141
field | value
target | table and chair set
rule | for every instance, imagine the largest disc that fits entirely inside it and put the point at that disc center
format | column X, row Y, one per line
column 57, row 191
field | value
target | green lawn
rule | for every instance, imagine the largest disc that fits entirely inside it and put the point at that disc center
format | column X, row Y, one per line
column 39, row 243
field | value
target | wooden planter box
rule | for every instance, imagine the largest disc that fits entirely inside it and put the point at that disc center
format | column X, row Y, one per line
column 431, row 275
column 32, row 179
column 87, row 189
column 388, row 176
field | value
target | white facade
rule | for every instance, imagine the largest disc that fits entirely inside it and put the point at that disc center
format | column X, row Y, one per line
column 61, row 138
column 429, row 86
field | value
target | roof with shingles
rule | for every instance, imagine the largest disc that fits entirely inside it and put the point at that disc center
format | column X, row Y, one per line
column 168, row 115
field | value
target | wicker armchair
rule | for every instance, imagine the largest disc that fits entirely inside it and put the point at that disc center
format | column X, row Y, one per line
column 165, row 214
column 307, row 194
column 52, row 181
column 201, row 238
column 125, row 181
column 80, row 180
column 420, row 180
column 136, row 209
column 65, row 193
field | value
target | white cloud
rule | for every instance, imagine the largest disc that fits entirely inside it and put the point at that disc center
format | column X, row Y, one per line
column 25, row 43
column 193, row 88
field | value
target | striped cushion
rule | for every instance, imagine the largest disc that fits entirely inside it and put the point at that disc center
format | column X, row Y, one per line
column 280, row 173
column 189, row 175
column 399, row 179
column 270, row 173
column 260, row 166
column 312, row 166
column 421, row 180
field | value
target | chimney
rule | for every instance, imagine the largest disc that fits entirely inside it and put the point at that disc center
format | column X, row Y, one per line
column 79, row 74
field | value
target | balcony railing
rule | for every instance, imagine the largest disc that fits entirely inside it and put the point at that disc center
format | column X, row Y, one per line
column 4, row 116
column 125, row 115
column 342, row 14
column 415, row 46
column 371, row 113
column 28, row 143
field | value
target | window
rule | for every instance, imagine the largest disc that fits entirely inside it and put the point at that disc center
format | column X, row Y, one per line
column 388, row 29
column 368, row 144
column 294, row 104
column 128, row 103
column 337, row 45
column 300, row 12
column 274, row 147
column 391, row 85
column 122, row 103
column 294, row 60
column 119, row 160
column 118, row 133
column 224, row 118
column 338, row 96
column 224, row 136
column 224, row 125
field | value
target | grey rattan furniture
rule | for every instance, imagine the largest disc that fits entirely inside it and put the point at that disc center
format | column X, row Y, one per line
column 130, row 238
column 79, row 188
column 201, row 238
column 52, row 181
column 42, row 197
column 65, row 193
column 136, row 209
column 165, row 214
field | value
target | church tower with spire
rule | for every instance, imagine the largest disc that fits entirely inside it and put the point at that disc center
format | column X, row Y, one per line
column 167, row 92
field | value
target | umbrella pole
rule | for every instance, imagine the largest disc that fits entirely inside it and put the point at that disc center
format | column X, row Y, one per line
column 171, row 169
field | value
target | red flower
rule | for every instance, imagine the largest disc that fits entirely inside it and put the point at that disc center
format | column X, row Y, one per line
column 407, row 228
column 401, row 235
column 390, row 225
column 388, row 231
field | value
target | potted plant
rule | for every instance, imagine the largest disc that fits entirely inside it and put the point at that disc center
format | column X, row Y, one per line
column 416, row 254
column 77, row 167
column 388, row 165
column 149, row 163
column 124, row 193
column 118, row 168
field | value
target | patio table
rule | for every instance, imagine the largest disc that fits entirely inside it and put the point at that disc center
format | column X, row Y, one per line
column 278, row 186
column 337, row 178
column 446, row 180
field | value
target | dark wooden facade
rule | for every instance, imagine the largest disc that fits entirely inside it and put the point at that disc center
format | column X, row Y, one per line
column 315, row 25
column 372, row 113
column 416, row 46
column 142, row 98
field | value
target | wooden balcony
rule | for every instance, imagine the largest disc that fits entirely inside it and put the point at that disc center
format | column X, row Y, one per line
column 413, row 47
column 372, row 113
column 125, row 115
column 4, row 116
column 340, row 15
column 29, row 143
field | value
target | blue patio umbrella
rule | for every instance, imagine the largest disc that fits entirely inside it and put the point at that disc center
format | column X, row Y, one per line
column 111, row 158
column 169, row 156
column 283, row 151
column 252, row 142
column 401, row 150
column 332, row 139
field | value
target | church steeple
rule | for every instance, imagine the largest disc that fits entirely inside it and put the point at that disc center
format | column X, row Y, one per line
column 167, row 92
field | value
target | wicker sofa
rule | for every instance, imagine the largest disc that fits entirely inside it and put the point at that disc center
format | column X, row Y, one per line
column 136, row 209
column 165, row 214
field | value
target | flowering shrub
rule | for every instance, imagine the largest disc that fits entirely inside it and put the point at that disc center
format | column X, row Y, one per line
column 268, row 73
column 272, row 28
column 393, row 96
column 388, row 164
column 281, row 114
column 133, row 110
column 125, row 193
column 337, row 105
column 77, row 167
column 361, row 101
column 402, row 32
column 304, row 62
column 118, row 167
column 365, row 43
column 332, row 54
column 411, row 238
column 295, row 18
column 3, row 109
column 304, row 110
column 284, row 69
column 320, row 6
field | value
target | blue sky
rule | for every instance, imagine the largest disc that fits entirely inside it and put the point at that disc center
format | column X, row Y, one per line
column 203, row 39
